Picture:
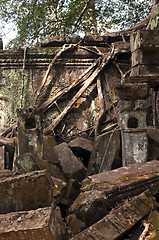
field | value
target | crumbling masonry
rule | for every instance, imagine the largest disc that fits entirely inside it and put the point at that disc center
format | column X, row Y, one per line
column 79, row 142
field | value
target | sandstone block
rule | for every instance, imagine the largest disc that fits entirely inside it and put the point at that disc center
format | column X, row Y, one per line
column 101, row 192
column 71, row 166
column 35, row 224
column 115, row 224
column 26, row 192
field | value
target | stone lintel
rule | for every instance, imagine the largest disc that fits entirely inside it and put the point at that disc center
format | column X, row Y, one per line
column 151, row 80
column 130, row 91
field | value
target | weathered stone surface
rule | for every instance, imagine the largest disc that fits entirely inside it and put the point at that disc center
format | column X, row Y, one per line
column 28, row 162
column 35, row 224
column 71, row 166
column 54, row 171
column 134, row 146
column 154, row 221
column 153, row 137
column 48, row 152
column 25, row 163
column 30, row 139
column 130, row 91
column 103, row 191
column 59, row 187
column 121, row 220
column 81, row 146
column 144, row 39
column 106, row 152
column 75, row 224
column 26, row 192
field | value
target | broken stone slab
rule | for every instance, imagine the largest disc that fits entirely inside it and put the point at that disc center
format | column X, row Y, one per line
column 118, row 222
column 35, row 224
column 105, row 154
column 144, row 39
column 48, row 152
column 26, row 192
column 70, row 165
column 102, row 192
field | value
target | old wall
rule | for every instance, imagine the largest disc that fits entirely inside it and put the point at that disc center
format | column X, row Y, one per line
column 66, row 70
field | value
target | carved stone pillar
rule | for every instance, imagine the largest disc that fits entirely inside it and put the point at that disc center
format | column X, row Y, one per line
column 132, row 120
column 30, row 134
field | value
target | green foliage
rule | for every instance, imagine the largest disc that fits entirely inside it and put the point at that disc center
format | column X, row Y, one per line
column 36, row 19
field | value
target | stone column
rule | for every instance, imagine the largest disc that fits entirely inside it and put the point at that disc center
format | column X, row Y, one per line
column 132, row 120
column 30, row 133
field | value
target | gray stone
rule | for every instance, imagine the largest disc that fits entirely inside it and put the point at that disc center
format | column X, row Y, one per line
column 118, row 222
column 106, row 152
column 36, row 224
column 71, row 166
column 101, row 192
column 26, row 192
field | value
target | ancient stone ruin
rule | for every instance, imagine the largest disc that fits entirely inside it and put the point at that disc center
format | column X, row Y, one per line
column 79, row 141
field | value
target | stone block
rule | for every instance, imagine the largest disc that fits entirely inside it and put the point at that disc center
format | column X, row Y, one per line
column 145, row 57
column 71, row 166
column 102, row 192
column 131, row 91
column 26, row 192
column 144, row 39
column 106, row 151
column 1, row 158
column 134, row 146
column 115, row 224
column 80, row 144
column 35, row 224
column 82, row 148
column 30, row 138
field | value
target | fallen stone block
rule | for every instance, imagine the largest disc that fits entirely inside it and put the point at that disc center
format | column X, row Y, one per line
column 26, row 192
column 105, row 154
column 70, row 165
column 48, row 152
column 36, row 224
column 82, row 148
column 115, row 224
column 101, row 192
